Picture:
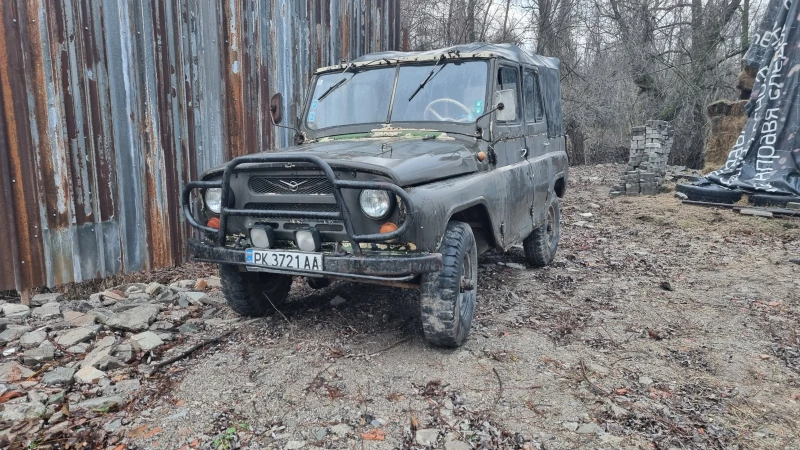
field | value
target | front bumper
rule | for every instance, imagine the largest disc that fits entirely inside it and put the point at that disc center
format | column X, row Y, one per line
column 384, row 268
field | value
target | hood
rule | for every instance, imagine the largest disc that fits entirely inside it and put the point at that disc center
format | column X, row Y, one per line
column 408, row 161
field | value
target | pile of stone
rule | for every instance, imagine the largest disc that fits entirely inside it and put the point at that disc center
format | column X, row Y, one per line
column 647, row 166
column 63, row 359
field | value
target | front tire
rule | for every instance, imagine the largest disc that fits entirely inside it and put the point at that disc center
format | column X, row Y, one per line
column 253, row 294
column 541, row 245
column 447, row 298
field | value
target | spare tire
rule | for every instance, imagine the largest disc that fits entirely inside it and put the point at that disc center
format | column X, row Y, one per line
column 711, row 193
column 774, row 200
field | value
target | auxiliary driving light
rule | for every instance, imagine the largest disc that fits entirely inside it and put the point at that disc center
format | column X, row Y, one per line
column 308, row 240
column 262, row 237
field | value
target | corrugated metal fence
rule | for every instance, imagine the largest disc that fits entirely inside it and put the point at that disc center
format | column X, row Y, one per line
column 108, row 107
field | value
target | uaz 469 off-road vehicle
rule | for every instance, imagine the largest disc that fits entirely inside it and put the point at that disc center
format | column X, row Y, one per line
column 407, row 167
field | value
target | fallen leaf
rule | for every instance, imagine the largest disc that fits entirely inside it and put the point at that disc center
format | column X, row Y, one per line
column 414, row 423
column 654, row 334
column 622, row 391
column 137, row 432
column 773, row 304
column 395, row 397
column 8, row 395
column 374, row 435
column 795, row 396
column 153, row 432
column 179, row 403
column 121, row 447
column 194, row 443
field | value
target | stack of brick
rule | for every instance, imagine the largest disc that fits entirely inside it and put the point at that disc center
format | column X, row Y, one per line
column 650, row 147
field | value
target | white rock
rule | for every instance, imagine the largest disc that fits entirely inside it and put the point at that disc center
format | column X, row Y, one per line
column 32, row 338
column 146, row 341
column 294, row 445
column 341, row 429
column 47, row 311
column 16, row 312
column 60, row 375
column 135, row 319
column 17, row 412
column 79, row 319
column 99, row 404
column 41, row 299
column 101, row 349
column 76, row 336
column 12, row 333
column 337, row 301
column 88, row 375
column 427, row 437
column 12, row 372
column 154, row 289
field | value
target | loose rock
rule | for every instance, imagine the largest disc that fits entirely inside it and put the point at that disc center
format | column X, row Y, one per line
column 47, row 311
column 42, row 353
column 42, row 299
column 12, row 372
column 13, row 332
column 17, row 412
column 15, row 312
column 427, row 437
column 32, row 339
column 76, row 336
column 60, row 375
column 338, row 301
column 136, row 319
column 100, row 404
column 146, row 341
column 88, row 375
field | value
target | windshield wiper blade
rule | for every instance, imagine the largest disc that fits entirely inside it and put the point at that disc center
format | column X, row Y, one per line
column 336, row 85
column 430, row 75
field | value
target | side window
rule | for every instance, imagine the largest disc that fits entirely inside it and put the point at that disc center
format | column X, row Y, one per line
column 507, row 79
column 533, row 98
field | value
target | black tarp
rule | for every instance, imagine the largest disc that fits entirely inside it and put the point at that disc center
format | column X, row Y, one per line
column 766, row 156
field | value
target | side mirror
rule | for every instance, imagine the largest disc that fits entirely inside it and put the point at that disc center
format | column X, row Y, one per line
column 276, row 108
column 507, row 98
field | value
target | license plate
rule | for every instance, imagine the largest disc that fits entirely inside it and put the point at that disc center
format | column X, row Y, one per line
column 287, row 260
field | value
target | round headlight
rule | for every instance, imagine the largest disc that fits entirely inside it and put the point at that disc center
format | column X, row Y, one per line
column 214, row 199
column 376, row 204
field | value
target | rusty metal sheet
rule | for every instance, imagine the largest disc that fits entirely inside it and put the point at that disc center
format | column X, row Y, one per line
column 109, row 107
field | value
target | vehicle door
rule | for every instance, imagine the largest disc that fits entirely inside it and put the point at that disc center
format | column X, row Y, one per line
column 512, row 164
column 537, row 142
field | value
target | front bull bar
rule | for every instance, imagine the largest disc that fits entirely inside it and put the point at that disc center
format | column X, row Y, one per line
column 343, row 214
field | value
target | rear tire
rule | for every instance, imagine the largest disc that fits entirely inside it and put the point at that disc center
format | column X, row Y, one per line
column 253, row 293
column 447, row 298
column 542, row 244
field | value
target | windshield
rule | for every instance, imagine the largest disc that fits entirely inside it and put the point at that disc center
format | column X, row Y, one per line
column 455, row 92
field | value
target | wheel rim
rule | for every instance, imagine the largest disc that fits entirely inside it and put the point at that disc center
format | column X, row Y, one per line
column 550, row 226
column 466, row 292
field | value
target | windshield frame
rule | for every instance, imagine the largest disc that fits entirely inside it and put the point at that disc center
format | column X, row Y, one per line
column 467, row 128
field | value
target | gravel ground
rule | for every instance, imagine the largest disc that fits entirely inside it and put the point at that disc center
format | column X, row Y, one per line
column 659, row 325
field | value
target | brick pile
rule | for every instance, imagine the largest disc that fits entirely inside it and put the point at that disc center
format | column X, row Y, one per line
column 650, row 147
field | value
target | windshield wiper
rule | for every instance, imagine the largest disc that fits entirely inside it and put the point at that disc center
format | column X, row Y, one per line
column 430, row 75
column 337, row 84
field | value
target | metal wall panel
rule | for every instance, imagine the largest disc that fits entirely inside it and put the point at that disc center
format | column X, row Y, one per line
column 108, row 107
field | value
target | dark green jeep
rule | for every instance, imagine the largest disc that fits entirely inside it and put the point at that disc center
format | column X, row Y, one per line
column 406, row 167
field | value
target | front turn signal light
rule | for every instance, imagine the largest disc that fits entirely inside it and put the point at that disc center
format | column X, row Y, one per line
column 213, row 223
column 388, row 227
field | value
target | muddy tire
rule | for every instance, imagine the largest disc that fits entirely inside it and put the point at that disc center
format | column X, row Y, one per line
column 542, row 244
column 447, row 298
column 250, row 294
column 318, row 283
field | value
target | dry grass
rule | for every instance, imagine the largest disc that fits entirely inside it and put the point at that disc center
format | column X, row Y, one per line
column 727, row 120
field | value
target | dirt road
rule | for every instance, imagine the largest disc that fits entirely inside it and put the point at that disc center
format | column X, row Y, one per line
column 659, row 326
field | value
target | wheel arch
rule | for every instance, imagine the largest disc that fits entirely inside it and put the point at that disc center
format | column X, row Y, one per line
column 476, row 214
